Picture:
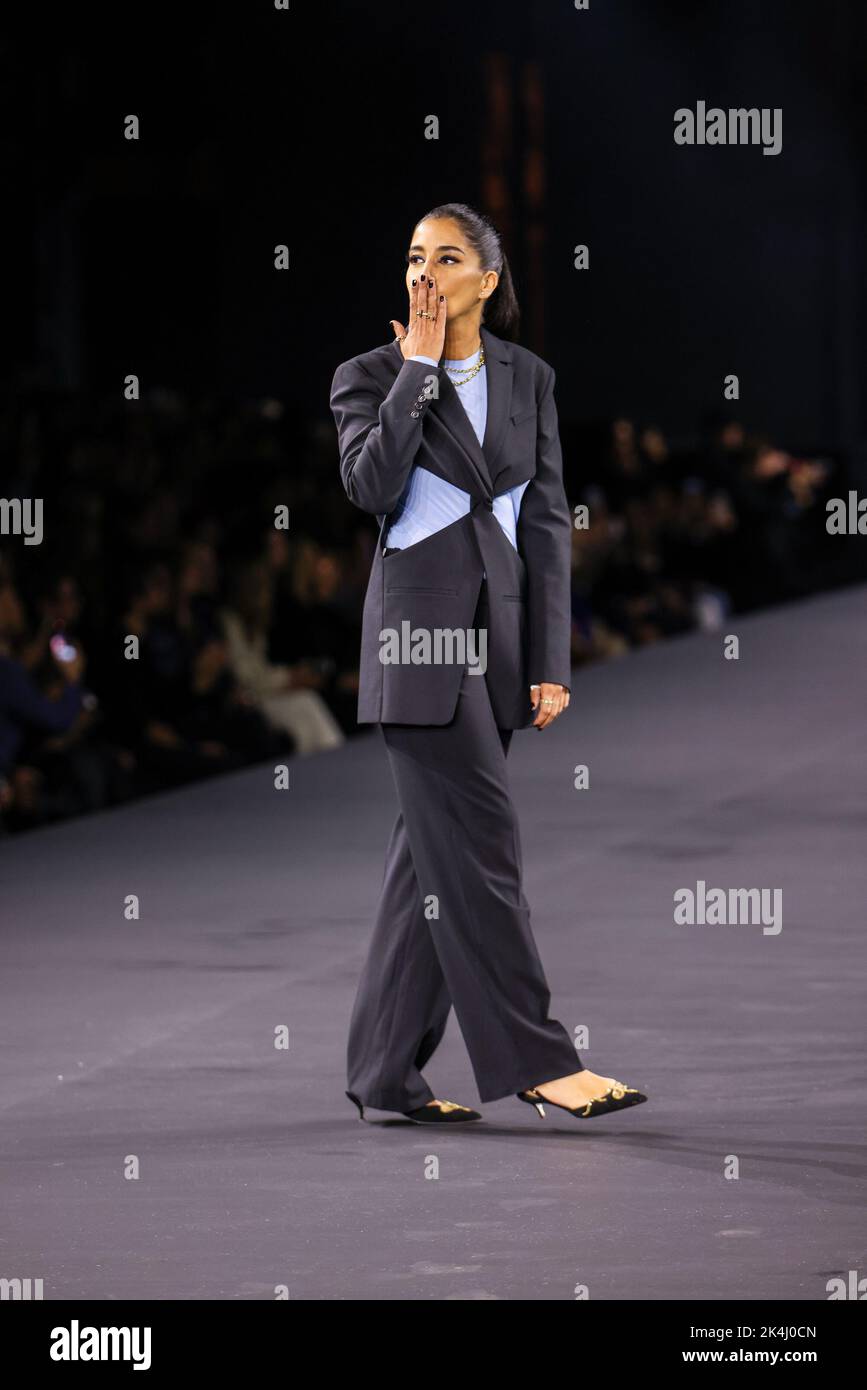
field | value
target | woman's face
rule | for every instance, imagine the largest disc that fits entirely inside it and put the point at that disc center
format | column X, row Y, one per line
column 440, row 248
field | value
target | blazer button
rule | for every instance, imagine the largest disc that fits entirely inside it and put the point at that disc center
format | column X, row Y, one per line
column 414, row 414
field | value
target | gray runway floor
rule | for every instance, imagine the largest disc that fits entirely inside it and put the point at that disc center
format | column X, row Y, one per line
column 152, row 1042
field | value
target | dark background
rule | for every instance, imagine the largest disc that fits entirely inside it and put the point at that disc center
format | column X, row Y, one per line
column 307, row 127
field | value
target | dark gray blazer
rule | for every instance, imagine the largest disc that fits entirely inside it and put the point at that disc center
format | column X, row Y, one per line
column 386, row 424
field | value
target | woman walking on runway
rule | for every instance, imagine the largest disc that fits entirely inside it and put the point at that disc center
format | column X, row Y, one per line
column 448, row 435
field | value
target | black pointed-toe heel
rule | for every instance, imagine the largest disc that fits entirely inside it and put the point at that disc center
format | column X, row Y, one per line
column 356, row 1101
column 443, row 1112
column 617, row 1097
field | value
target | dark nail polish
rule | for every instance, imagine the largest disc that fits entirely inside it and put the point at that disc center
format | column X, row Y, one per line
column 442, row 297
column 414, row 282
column 421, row 277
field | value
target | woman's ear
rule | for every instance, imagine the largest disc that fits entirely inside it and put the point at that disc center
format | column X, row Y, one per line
column 490, row 280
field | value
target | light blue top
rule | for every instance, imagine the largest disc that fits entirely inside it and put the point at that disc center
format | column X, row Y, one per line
column 428, row 502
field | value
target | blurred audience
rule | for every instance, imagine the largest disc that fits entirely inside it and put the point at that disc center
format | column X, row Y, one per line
column 679, row 538
column 170, row 627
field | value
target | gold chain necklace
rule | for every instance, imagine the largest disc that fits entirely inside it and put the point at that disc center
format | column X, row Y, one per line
column 471, row 371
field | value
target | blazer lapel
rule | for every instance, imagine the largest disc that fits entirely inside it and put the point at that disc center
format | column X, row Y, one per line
column 499, row 371
column 448, row 409
column 451, row 413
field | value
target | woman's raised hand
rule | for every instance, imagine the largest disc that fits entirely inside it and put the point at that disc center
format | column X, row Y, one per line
column 426, row 334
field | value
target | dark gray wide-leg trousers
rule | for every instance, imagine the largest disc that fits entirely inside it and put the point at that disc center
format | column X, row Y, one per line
column 452, row 925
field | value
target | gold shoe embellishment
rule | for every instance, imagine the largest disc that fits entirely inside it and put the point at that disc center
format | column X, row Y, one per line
column 586, row 1108
column 616, row 1092
column 446, row 1105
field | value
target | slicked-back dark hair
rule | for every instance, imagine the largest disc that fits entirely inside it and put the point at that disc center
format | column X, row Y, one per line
column 500, row 313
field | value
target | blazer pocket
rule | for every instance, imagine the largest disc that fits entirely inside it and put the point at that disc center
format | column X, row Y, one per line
column 513, row 598
column 522, row 415
column 417, row 589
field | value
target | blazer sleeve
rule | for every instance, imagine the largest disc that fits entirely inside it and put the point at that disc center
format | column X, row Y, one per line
column 545, row 541
column 378, row 437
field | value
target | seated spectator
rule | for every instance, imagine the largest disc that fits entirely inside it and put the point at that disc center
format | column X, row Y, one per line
column 327, row 631
column 24, row 709
column 287, row 695
column 176, row 706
